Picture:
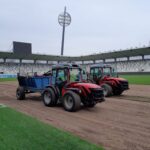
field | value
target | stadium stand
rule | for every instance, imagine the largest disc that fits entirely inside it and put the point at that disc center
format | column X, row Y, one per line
column 133, row 66
column 134, row 60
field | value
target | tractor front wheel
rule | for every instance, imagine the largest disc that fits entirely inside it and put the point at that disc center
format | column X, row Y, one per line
column 107, row 90
column 71, row 101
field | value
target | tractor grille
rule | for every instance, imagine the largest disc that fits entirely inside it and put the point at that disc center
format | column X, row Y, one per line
column 124, row 85
column 97, row 93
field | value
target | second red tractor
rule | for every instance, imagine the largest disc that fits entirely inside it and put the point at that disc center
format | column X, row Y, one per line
column 105, row 76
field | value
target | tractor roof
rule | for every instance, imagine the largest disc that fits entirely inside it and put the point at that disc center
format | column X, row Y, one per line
column 62, row 66
column 100, row 65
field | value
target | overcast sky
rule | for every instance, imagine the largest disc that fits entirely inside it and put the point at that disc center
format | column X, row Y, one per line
column 97, row 25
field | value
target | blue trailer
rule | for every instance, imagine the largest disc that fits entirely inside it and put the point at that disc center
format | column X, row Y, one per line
column 33, row 84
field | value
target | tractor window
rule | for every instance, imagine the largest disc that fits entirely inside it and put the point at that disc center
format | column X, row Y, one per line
column 84, row 75
column 61, row 75
column 54, row 73
column 100, row 73
column 107, row 71
column 92, row 71
column 75, row 74
column 114, row 72
column 96, row 71
column 53, row 76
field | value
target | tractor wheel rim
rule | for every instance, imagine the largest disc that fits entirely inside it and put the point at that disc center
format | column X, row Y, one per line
column 105, row 91
column 47, row 97
column 68, row 102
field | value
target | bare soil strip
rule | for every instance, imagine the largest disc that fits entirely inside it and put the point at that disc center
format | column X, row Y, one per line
column 133, row 98
column 116, row 124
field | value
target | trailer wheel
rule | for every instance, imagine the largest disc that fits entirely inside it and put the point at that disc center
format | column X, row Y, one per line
column 107, row 90
column 20, row 94
column 49, row 98
column 71, row 101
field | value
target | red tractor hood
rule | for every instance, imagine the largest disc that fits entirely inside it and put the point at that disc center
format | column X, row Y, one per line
column 116, row 79
column 87, row 85
column 107, row 78
column 83, row 87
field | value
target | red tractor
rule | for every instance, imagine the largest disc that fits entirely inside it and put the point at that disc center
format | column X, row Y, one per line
column 105, row 76
column 68, row 88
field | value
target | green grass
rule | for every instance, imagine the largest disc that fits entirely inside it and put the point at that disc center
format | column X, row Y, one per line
column 137, row 79
column 7, row 79
column 21, row 132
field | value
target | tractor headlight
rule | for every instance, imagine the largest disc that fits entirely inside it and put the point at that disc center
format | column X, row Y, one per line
column 80, row 91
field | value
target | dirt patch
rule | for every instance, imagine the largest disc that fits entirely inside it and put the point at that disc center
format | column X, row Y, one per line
column 139, row 90
column 133, row 98
column 116, row 124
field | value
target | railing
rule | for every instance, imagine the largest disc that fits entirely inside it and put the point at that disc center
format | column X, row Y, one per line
column 8, row 76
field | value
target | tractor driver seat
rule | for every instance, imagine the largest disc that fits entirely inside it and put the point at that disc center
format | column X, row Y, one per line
column 60, row 83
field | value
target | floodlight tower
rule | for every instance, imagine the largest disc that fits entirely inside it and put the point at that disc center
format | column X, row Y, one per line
column 64, row 19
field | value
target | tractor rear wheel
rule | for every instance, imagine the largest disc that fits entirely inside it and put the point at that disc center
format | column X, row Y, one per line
column 107, row 90
column 71, row 101
column 20, row 93
column 49, row 97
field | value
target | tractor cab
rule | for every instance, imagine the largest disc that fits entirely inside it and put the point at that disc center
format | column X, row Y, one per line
column 63, row 74
column 98, row 72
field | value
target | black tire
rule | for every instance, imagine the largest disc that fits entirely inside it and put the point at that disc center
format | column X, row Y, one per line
column 71, row 101
column 20, row 93
column 107, row 90
column 49, row 97
column 92, row 105
column 57, row 92
column 118, row 92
